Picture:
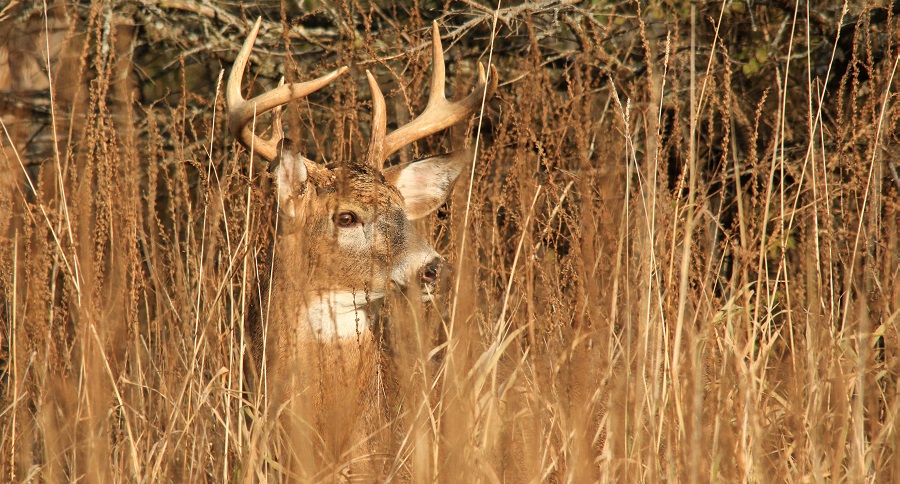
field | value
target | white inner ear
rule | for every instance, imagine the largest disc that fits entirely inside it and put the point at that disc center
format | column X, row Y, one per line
column 426, row 183
column 290, row 177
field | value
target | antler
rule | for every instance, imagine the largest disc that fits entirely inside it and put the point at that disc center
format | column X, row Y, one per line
column 242, row 111
column 439, row 114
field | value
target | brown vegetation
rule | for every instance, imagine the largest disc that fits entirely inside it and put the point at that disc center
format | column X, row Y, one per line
column 675, row 255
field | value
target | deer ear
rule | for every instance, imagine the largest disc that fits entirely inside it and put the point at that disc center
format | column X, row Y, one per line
column 290, row 177
column 426, row 183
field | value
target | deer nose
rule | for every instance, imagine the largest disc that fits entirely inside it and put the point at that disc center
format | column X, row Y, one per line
column 431, row 271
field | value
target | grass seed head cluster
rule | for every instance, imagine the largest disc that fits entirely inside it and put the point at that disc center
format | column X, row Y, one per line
column 675, row 257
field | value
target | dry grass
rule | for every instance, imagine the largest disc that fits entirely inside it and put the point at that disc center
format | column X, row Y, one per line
column 676, row 274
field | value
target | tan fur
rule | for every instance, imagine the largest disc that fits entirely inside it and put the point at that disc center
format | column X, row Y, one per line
column 345, row 239
column 311, row 373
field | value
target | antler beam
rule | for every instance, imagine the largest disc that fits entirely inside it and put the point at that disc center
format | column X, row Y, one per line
column 241, row 112
column 439, row 114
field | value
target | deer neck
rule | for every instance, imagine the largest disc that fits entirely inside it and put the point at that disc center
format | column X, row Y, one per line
column 338, row 314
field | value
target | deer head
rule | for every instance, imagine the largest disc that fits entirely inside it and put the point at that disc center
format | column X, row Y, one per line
column 347, row 234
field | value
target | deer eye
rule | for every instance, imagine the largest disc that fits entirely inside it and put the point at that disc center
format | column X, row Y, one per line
column 346, row 219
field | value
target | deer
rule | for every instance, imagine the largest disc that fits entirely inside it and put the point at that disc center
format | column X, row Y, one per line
column 346, row 237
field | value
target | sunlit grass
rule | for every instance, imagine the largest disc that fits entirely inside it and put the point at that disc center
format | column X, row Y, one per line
column 658, row 277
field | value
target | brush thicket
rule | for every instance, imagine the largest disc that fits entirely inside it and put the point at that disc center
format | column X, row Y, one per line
column 676, row 258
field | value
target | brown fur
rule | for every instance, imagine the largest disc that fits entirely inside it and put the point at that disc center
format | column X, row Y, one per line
column 338, row 381
column 345, row 238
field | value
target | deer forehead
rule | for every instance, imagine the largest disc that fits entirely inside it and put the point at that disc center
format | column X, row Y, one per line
column 360, row 187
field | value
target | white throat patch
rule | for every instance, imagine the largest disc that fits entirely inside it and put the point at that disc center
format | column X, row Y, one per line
column 339, row 314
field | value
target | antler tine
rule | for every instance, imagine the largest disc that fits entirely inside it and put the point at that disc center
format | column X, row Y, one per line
column 438, row 68
column 277, row 128
column 242, row 111
column 439, row 114
column 379, row 124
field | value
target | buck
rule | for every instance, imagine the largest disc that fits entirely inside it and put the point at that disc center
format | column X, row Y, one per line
column 345, row 238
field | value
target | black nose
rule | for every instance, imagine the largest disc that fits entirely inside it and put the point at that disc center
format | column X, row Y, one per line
column 431, row 271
